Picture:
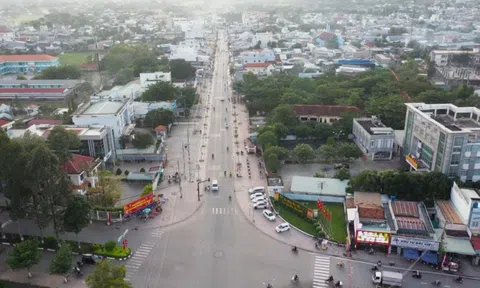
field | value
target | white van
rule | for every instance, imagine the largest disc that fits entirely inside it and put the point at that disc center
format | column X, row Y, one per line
column 260, row 189
column 214, row 185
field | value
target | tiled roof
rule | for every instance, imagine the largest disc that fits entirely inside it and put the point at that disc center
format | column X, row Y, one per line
column 160, row 128
column 257, row 65
column 3, row 122
column 44, row 121
column 324, row 110
column 326, row 36
column 32, row 90
column 405, row 208
column 79, row 163
column 371, row 212
column 475, row 242
column 449, row 212
column 410, row 223
column 27, row 58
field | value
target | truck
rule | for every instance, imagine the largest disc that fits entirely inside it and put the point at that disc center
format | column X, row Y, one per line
column 388, row 278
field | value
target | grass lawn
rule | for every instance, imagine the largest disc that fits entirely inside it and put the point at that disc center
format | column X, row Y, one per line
column 74, row 58
column 338, row 225
column 295, row 220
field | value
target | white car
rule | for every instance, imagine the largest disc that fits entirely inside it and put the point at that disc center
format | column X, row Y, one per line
column 282, row 227
column 256, row 195
column 260, row 205
column 261, row 198
column 269, row 215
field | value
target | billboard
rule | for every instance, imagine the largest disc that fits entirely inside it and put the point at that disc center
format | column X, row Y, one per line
column 138, row 204
column 373, row 237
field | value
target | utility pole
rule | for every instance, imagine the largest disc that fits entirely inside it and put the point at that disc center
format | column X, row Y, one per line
column 188, row 151
column 179, row 179
column 183, row 153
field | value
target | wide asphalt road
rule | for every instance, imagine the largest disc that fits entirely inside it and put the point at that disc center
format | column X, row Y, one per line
column 217, row 247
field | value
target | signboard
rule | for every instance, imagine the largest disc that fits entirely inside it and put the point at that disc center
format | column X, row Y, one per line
column 310, row 214
column 373, row 237
column 294, row 205
column 138, row 204
column 412, row 161
column 420, row 244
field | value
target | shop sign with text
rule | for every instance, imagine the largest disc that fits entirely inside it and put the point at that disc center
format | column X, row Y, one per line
column 138, row 204
column 373, row 237
column 420, row 244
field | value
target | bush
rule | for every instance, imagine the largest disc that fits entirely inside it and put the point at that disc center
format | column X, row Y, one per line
column 110, row 245
column 117, row 252
column 119, row 172
column 50, row 243
column 321, row 234
column 126, row 172
column 96, row 247
column 142, row 170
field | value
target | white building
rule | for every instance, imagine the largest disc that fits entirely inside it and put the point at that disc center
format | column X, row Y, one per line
column 260, row 69
column 82, row 171
column 147, row 79
column 115, row 115
column 467, row 203
column 255, row 56
column 264, row 38
column 131, row 91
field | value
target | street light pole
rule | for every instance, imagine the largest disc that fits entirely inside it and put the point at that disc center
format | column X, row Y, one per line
column 198, row 187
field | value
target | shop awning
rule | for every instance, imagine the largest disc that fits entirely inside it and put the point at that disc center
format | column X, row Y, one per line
column 410, row 254
column 459, row 246
column 430, row 257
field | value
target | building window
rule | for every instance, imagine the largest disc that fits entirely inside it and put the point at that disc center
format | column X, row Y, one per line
column 476, row 172
column 452, row 171
column 469, row 148
column 427, row 155
column 458, row 141
column 455, row 159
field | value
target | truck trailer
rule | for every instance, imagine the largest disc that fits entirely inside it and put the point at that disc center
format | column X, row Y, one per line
column 388, row 278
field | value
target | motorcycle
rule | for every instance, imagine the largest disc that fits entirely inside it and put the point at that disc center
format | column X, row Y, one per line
column 436, row 283
column 459, row 280
column 294, row 250
column 416, row 274
column 340, row 264
column 294, row 279
column 339, row 284
column 77, row 271
column 329, row 279
column 374, row 268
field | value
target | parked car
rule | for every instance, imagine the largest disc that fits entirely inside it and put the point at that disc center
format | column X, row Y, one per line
column 282, row 227
column 90, row 258
column 260, row 205
column 256, row 190
column 269, row 215
column 261, row 198
column 256, row 195
column 342, row 165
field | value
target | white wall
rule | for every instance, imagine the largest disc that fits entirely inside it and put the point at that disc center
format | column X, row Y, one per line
column 147, row 79
column 461, row 203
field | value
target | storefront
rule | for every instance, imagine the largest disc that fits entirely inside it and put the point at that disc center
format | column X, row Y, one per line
column 372, row 239
column 415, row 248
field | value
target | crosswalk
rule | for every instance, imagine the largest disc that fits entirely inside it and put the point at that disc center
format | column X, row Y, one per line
column 223, row 211
column 133, row 264
column 321, row 271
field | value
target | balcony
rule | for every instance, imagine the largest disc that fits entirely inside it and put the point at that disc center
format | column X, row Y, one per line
column 415, row 163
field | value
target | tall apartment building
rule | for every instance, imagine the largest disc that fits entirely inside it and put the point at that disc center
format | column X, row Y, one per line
column 443, row 137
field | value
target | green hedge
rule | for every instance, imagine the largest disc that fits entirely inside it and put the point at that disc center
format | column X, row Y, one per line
column 109, row 209
column 52, row 243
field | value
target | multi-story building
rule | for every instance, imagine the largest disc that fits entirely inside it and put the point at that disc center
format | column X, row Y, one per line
column 37, row 89
column 117, row 116
column 13, row 64
column 443, row 137
column 257, row 56
column 445, row 57
column 373, row 138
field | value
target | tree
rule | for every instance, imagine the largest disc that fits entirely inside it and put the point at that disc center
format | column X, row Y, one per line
column 322, row 130
column 21, row 77
column 281, row 152
column 342, row 174
column 366, row 181
column 350, row 151
column 258, row 45
column 280, row 130
column 272, row 162
column 24, row 255
column 124, row 140
column 77, row 216
column 285, row 115
column 62, row 72
column 106, row 275
column 267, row 139
column 327, row 152
column 181, row 69
column 303, row 131
column 160, row 91
column 304, row 152
column 390, row 109
column 124, row 76
column 159, row 117
column 142, row 140
column 62, row 262
column 147, row 189
column 187, row 97
column 62, row 142
column 332, row 43
column 107, row 191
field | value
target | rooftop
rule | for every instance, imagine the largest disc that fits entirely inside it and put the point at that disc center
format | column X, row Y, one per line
column 320, row 186
column 26, row 58
column 325, row 110
column 275, row 181
column 405, row 208
column 80, row 163
column 103, row 108
column 448, row 212
column 374, row 126
column 257, row 65
column 449, row 116
column 368, row 199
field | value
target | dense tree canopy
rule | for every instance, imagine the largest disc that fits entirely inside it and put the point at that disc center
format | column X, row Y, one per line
column 62, row 72
column 181, row 69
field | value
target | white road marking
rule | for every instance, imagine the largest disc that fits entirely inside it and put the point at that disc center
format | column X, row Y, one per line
column 321, row 271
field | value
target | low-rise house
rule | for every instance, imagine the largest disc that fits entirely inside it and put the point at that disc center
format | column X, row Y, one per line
column 323, row 113
column 259, row 69
column 374, row 138
column 37, row 89
column 82, row 171
column 147, row 79
column 312, row 189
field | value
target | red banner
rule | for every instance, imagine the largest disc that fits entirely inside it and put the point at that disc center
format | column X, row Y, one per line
column 138, row 204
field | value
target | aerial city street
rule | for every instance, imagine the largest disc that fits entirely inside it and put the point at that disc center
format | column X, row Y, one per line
column 240, row 144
